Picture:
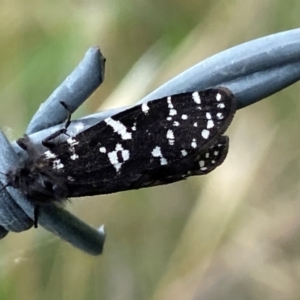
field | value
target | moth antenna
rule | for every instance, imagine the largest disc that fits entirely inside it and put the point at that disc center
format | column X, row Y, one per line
column 68, row 120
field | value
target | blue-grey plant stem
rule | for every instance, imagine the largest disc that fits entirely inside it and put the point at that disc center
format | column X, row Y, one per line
column 75, row 89
column 252, row 71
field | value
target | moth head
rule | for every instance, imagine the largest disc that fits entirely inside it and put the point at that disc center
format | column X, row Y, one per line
column 39, row 187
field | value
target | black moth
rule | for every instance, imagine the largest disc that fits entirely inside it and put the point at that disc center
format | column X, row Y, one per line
column 155, row 143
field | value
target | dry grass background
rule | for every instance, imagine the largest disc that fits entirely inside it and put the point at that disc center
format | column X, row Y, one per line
column 234, row 234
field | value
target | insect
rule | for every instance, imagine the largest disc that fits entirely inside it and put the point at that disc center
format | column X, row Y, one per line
column 154, row 143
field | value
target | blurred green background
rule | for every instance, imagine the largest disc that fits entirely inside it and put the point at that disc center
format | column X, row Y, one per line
column 234, row 234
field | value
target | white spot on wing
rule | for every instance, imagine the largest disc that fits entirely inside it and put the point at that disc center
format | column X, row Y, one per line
column 202, row 165
column 210, row 124
column 102, row 149
column 194, row 143
column 218, row 97
column 119, row 128
column 156, row 152
column 72, row 142
column 220, row 116
column 170, row 105
column 57, row 164
column 183, row 152
column 221, row 105
column 173, row 112
column 184, row 117
column 125, row 155
column 114, row 159
column 74, row 156
column 205, row 133
column 170, row 137
column 133, row 128
column 163, row 161
column 145, row 107
column 176, row 123
column 49, row 154
column 196, row 97
column 170, row 134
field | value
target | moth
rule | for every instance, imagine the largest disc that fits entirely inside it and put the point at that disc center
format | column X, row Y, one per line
column 154, row 143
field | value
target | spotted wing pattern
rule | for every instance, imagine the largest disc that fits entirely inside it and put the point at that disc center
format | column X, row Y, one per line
column 157, row 142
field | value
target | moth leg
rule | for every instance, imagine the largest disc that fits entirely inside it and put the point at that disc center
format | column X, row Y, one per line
column 48, row 142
